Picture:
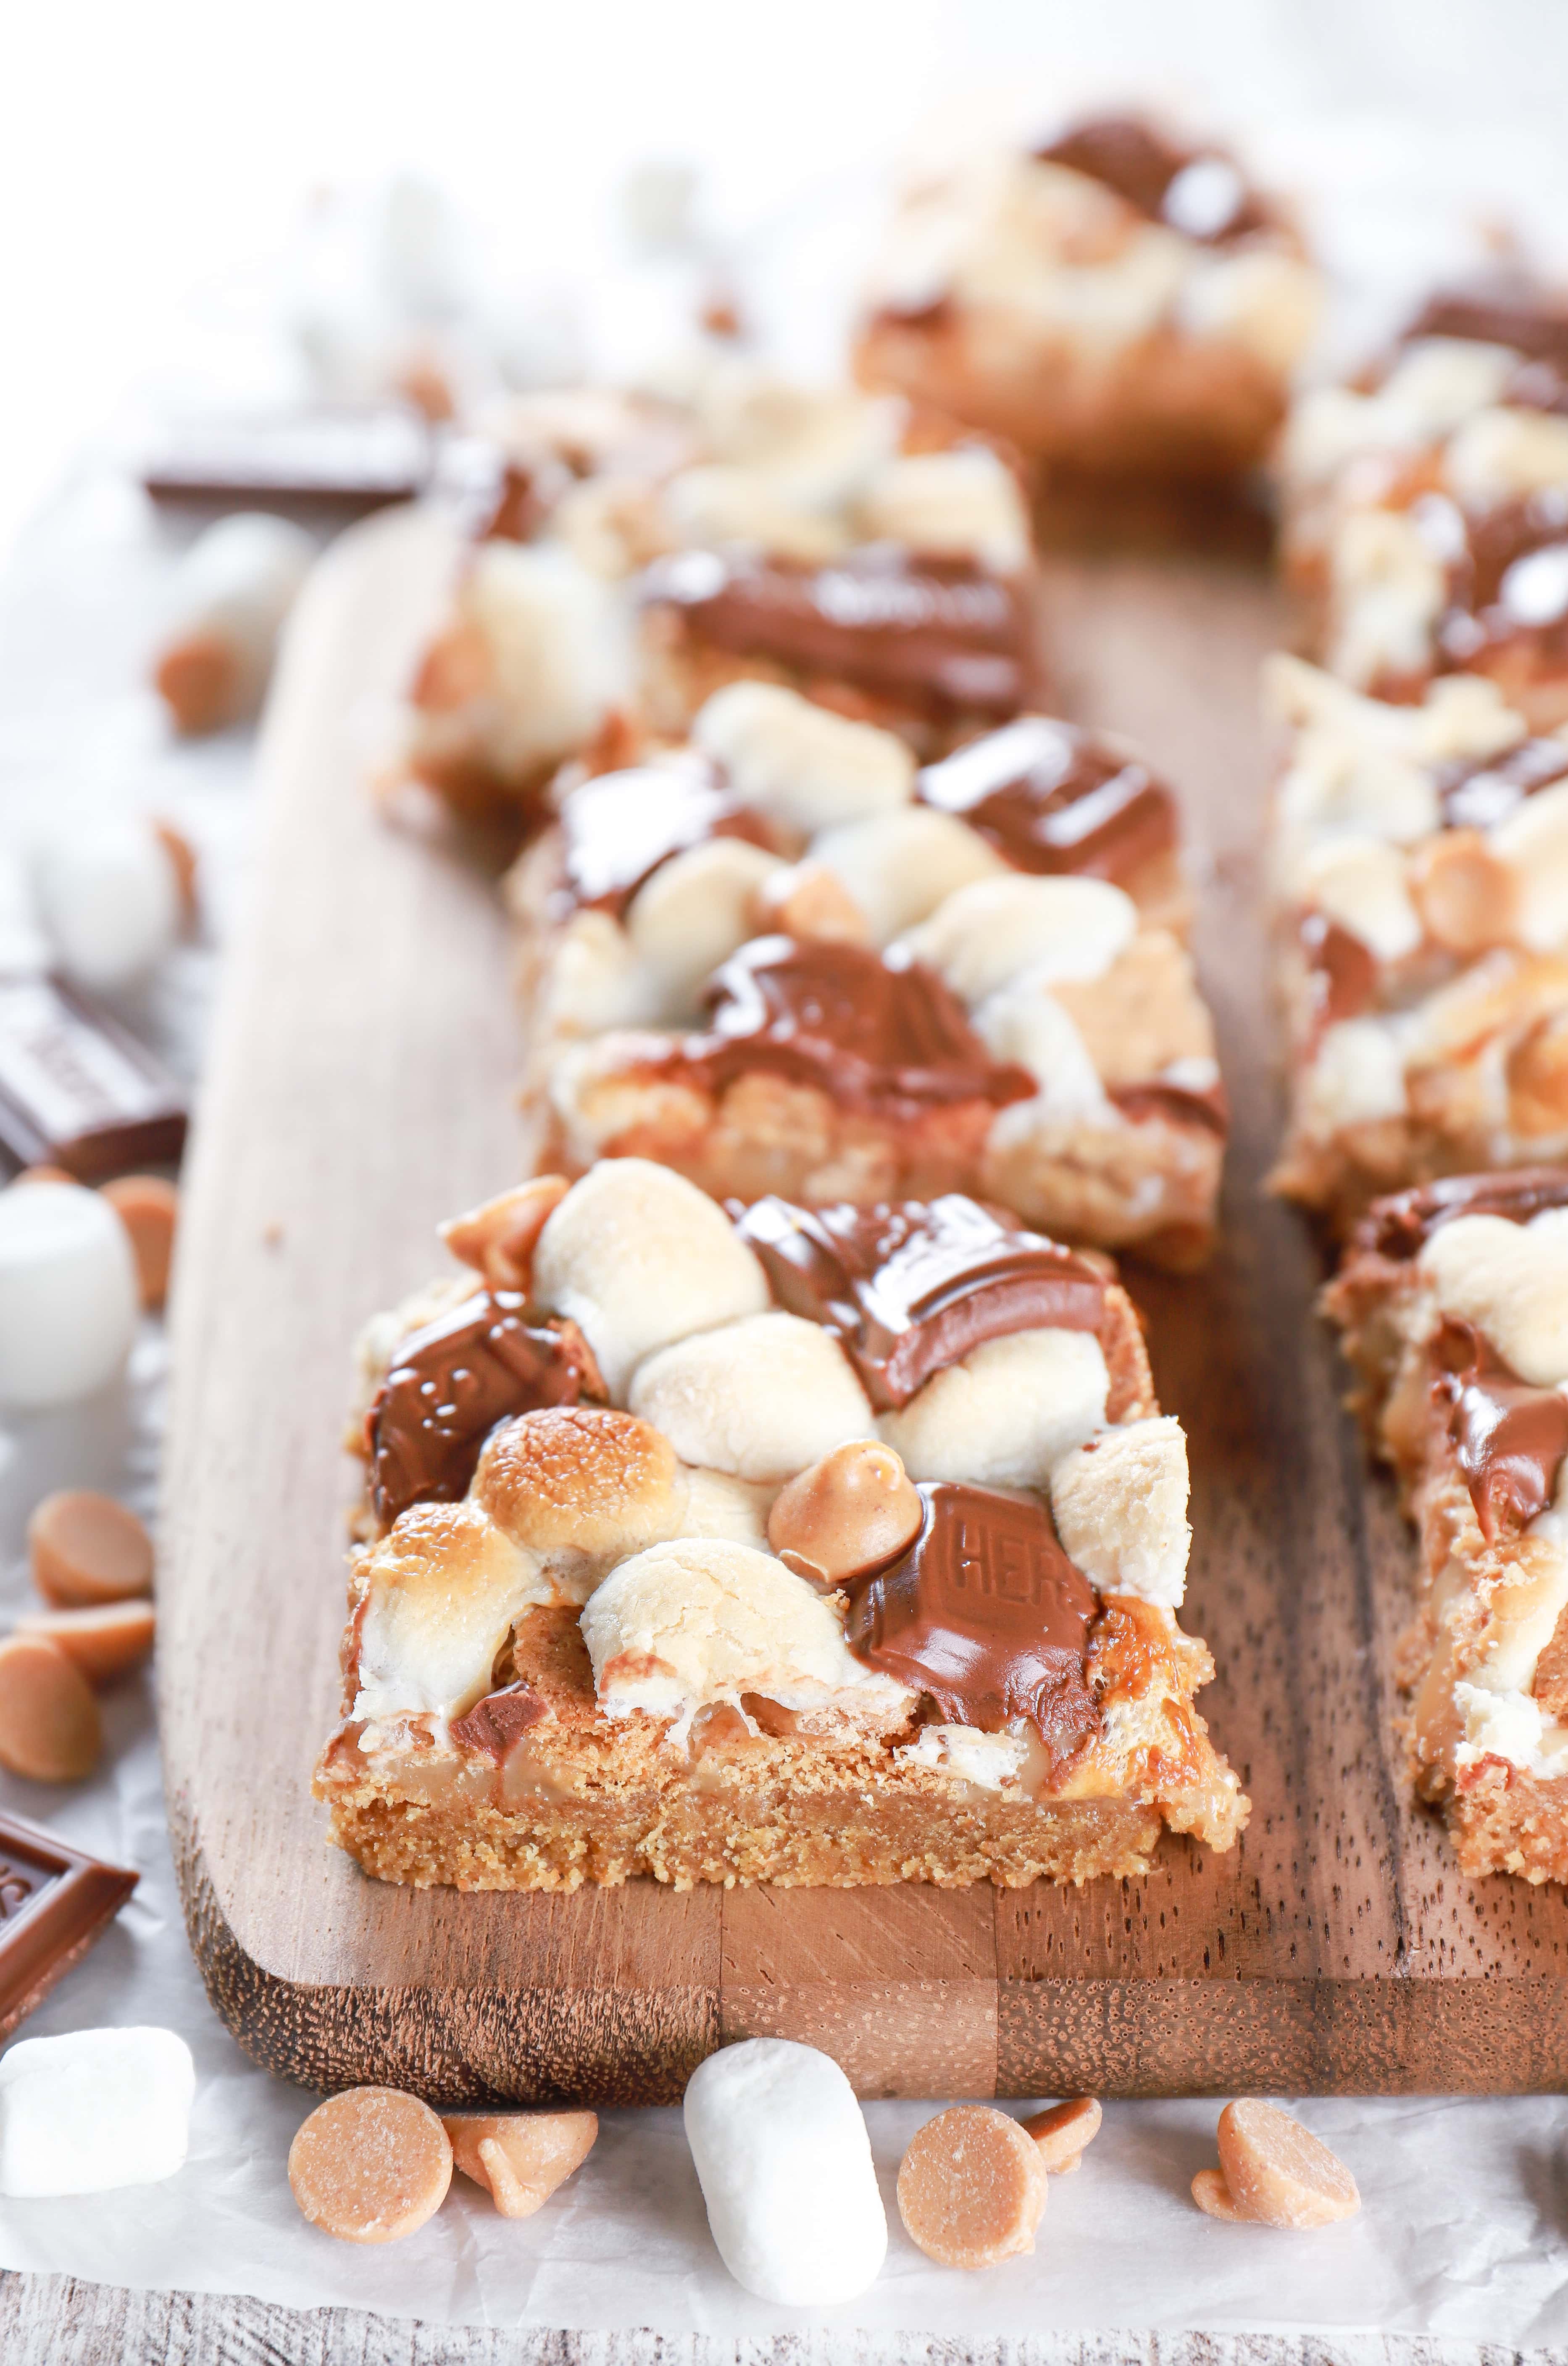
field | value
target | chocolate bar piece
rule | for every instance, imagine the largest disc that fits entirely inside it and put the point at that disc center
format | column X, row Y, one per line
column 77, row 1090
column 350, row 462
column 54, row 1902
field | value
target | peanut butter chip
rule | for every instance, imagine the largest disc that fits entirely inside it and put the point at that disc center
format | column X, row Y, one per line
column 48, row 1720
column 1213, row 2196
column 519, row 2157
column 370, row 2166
column 1062, row 2134
column 1278, row 2172
column 87, row 1549
column 972, row 2188
column 849, row 1513
column 103, row 1643
column 149, row 1209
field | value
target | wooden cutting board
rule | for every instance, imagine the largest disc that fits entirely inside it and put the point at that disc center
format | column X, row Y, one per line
column 359, row 1089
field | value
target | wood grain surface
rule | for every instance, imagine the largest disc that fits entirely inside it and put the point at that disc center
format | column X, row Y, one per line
column 358, row 1091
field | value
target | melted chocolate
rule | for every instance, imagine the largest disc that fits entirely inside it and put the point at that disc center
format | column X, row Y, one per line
column 1126, row 153
column 875, row 1032
column 1498, row 308
column 448, row 1386
column 986, row 1615
column 908, row 1289
column 1491, row 601
column 1510, row 1437
column 1208, row 1106
column 617, row 831
column 1400, row 1225
column 1051, row 798
column 1477, row 792
column 1342, row 972
column 494, row 1723
column 940, row 634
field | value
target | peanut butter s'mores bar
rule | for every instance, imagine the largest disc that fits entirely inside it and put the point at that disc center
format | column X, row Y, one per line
column 767, row 1546
column 1421, row 881
column 1427, row 508
column 1454, row 1303
column 768, row 532
column 784, row 960
column 1115, row 301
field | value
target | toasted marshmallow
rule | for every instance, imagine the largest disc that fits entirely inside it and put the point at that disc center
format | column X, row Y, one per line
column 1119, row 1502
column 987, row 934
column 956, row 504
column 1357, row 1079
column 688, row 1624
column 760, row 1398
column 1511, row 1282
column 557, row 648
column 580, row 1488
column 443, row 1591
column 693, row 913
column 1007, row 1413
column 805, row 766
column 638, row 1256
column 899, row 866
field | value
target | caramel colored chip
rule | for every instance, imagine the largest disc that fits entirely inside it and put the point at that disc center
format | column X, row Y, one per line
column 849, row 1513
column 1278, row 2172
column 48, row 1720
column 972, row 2188
column 1214, row 2198
column 104, row 1643
column 1062, row 2133
column 87, row 1549
column 519, row 2157
column 200, row 679
column 370, row 2166
column 149, row 1209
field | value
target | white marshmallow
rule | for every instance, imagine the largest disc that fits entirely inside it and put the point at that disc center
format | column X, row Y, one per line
column 797, row 762
column 693, row 913
column 95, row 2110
column 726, row 1510
column 1026, row 1023
column 593, row 980
column 986, row 934
column 237, row 582
column 1511, row 1282
column 1357, row 1079
column 1507, row 455
column 637, row 1257
column 559, row 650
column 1007, row 1413
column 722, row 502
column 110, row 901
column 1119, row 1503
column 784, row 2159
column 445, row 1587
column 990, row 1760
column 761, row 1398
column 899, row 866
column 1534, row 841
column 1389, row 590
column 962, row 504
column 68, row 1294
column 1360, row 882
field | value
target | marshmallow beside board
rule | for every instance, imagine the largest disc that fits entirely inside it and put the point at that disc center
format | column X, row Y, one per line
column 784, row 2159
column 232, row 593
column 95, row 2110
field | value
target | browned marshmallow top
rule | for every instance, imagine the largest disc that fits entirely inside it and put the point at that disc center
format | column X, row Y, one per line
column 986, row 1613
column 1051, row 798
column 910, row 1287
column 876, row 1031
column 943, row 635
column 1161, row 177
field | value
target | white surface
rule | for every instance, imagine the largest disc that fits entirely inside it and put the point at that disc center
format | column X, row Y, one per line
column 781, row 2151
column 93, row 2109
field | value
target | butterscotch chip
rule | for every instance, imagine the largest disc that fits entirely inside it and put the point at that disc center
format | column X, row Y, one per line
column 48, row 1720
column 849, row 1513
column 86, row 1549
column 370, row 2166
column 149, row 1209
column 104, row 1643
column 972, row 2188
column 1215, row 2200
column 519, row 2157
column 1278, row 2172
column 1062, row 2133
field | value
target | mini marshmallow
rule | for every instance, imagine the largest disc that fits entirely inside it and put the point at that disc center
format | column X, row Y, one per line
column 109, row 899
column 232, row 593
column 69, row 1295
column 1120, row 1505
column 784, row 2159
column 1007, row 1413
column 442, row 1592
column 640, row 1258
column 721, row 502
column 1389, row 591
column 964, row 504
column 1360, row 883
column 985, row 935
column 693, row 913
column 593, row 980
column 1025, row 1024
column 1357, row 1077
column 732, row 1511
column 807, row 768
column 761, row 1398
column 96, row 2110
column 1511, row 1282
column 899, row 866
column 556, row 645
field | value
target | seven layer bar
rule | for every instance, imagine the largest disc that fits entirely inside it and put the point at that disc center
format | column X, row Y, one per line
column 820, row 1548
column 782, row 959
column 1454, row 1303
